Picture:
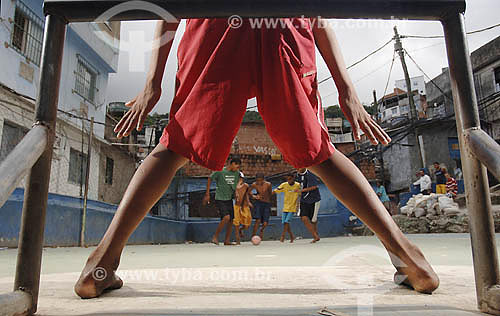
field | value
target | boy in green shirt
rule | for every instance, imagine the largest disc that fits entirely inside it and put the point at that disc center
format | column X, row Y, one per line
column 226, row 181
column 291, row 189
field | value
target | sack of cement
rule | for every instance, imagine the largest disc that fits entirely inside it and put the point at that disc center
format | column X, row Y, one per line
column 419, row 212
column 411, row 202
column 445, row 202
column 431, row 212
column 451, row 211
column 404, row 210
column 435, row 208
column 433, row 198
column 422, row 202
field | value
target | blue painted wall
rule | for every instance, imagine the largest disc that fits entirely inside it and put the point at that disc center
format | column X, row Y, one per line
column 63, row 223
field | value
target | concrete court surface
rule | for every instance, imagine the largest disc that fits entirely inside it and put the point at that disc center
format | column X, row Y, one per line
column 345, row 275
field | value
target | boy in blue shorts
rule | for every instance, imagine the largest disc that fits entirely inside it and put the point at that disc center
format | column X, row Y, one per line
column 291, row 189
column 262, row 205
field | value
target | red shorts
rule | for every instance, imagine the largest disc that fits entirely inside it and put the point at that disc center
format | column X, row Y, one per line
column 220, row 68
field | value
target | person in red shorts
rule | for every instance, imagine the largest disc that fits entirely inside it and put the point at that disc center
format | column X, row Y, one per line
column 220, row 68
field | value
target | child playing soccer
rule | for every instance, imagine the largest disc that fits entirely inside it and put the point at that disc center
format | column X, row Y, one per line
column 219, row 69
column 242, row 215
column 262, row 205
column 291, row 189
column 226, row 181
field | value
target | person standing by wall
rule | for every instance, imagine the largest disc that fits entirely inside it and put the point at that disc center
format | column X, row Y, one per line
column 440, row 178
column 382, row 195
column 309, row 201
column 262, row 204
column 451, row 186
column 226, row 181
column 424, row 182
column 242, row 215
column 291, row 190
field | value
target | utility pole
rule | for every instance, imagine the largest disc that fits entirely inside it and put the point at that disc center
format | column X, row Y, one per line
column 398, row 46
column 375, row 104
column 86, row 192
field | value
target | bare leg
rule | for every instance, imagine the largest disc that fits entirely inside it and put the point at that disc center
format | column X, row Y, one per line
column 315, row 227
column 310, row 227
column 229, row 229
column 255, row 227
column 237, row 234
column 347, row 183
column 289, row 229
column 146, row 187
column 223, row 222
column 282, row 238
column 261, row 235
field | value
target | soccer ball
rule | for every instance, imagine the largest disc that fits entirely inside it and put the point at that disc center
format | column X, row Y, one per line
column 256, row 240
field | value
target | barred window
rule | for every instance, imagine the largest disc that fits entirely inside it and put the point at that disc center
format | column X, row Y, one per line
column 27, row 33
column 12, row 135
column 85, row 80
column 77, row 166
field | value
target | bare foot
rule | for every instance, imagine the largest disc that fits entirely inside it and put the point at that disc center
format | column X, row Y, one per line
column 95, row 281
column 315, row 240
column 282, row 239
column 292, row 239
column 417, row 273
column 215, row 241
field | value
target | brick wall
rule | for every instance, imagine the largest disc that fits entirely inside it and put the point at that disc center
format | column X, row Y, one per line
column 367, row 167
column 256, row 150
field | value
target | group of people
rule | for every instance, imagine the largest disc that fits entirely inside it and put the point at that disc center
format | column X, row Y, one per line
column 445, row 183
column 253, row 201
column 219, row 68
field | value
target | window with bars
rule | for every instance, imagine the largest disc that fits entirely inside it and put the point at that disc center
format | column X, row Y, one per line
column 27, row 33
column 12, row 135
column 109, row 170
column 85, row 80
column 77, row 166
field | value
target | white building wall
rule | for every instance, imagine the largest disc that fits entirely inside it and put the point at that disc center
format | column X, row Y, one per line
column 416, row 83
column 22, row 76
column 82, row 39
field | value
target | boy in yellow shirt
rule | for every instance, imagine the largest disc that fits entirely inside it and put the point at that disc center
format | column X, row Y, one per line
column 291, row 189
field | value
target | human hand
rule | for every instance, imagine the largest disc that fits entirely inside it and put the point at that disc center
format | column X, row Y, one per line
column 206, row 199
column 360, row 119
column 140, row 106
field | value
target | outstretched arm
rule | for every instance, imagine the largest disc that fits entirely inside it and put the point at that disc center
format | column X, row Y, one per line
column 144, row 102
column 327, row 44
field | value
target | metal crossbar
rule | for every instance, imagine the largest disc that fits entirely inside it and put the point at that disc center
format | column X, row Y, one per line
column 86, row 11
column 476, row 146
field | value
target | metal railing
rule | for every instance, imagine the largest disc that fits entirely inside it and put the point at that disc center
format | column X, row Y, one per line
column 476, row 146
